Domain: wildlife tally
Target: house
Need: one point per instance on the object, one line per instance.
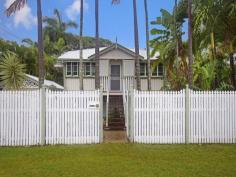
(117, 69)
(117, 74)
(32, 82)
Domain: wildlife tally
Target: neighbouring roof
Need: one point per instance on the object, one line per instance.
(32, 82)
(89, 53)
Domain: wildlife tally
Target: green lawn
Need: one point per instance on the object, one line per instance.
(119, 160)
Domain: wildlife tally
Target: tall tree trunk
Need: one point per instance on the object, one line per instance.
(190, 44)
(81, 66)
(232, 66)
(97, 79)
(40, 45)
(213, 49)
(147, 46)
(136, 41)
(177, 39)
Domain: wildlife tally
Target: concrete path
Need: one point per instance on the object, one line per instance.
(115, 136)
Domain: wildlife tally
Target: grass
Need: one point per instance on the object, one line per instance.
(107, 160)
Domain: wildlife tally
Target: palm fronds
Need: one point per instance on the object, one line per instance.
(15, 6)
(12, 72)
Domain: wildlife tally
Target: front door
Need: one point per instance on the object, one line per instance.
(115, 77)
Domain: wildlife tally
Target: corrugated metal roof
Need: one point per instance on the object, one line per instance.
(75, 55)
(47, 83)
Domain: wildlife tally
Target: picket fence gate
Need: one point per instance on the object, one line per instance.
(175, 117)
(50, 117)
(72, 117)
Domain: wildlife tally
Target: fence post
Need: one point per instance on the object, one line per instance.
(131, 115)
(187, 113)
(43, 115)
(101, 116)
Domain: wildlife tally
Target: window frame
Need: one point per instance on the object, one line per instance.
(158, 71)
(77, 66)
(91, 72)
(145, 69)
(67, 64)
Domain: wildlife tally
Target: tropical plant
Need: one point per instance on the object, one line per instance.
(214, 25)
(55, 27)
(17, 5)
(12, 72)
(204, 72)
(167, 33)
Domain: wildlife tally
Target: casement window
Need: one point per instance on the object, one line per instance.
(157, 72)
(72, 69)
(93, 69)
(154, 72)
(89, 69)
(143, 69)
(160, 69)
(75, 68)
(68, 69)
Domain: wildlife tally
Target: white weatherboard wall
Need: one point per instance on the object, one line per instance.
(159, 117)
(19, 118)
(72, 117)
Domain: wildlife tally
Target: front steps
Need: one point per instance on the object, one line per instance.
(116, 120)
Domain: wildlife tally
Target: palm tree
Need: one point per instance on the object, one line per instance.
(176, 35)
(97, 78)
(136, 41)
(56, 27)
(81, 73)
(12, 72)
(167, 34)
(190, 44)
(206, 22)
(147, 46)
(17, 5)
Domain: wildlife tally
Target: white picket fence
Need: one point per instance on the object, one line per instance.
(19, 118)
(71, 117)
(212, 117)
(160, 117)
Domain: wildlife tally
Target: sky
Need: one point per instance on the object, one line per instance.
(115, 20)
